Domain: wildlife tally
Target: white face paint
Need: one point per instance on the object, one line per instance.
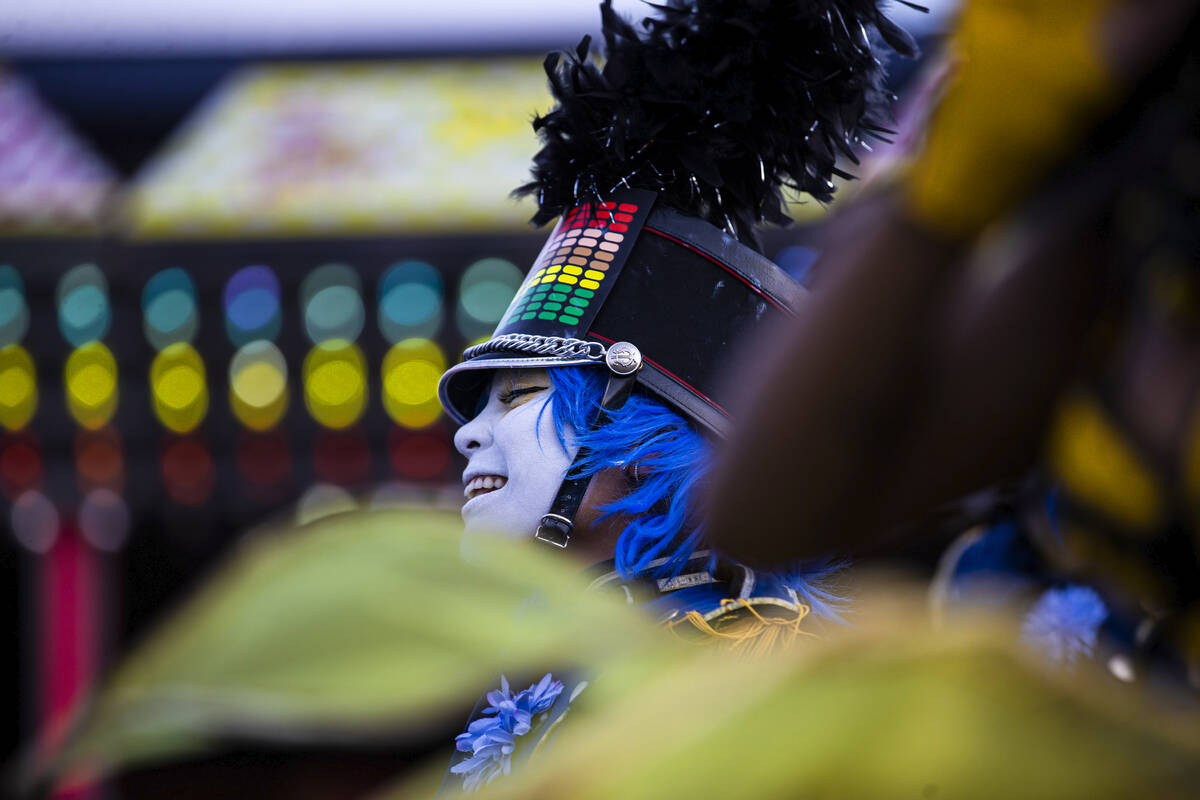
(515, 462)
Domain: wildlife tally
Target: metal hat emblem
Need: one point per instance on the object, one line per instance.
(623, 358)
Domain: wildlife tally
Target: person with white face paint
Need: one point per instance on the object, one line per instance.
(589, 415)
(515, 460)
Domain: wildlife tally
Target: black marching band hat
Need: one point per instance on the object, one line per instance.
(660, 163)
(623, 271)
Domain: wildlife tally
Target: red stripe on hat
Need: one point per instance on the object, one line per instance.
(758, 291)
(672, 375)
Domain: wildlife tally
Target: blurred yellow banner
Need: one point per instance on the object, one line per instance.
(349, 148)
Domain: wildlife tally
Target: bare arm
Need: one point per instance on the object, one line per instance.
(908, 400)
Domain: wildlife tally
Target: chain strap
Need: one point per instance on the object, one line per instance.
(537, 345)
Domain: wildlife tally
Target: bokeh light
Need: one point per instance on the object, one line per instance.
(169, 309)
(187, 471)
(410, 301)
(484, 292)
(258, 385)
(252, 305)
(20, 464)
(405, 493)
(90, 381)
(420, 455)
(99, 461)
(35, 522)
(104, 520)
(18, 387)
(342, 457)
(84, 312)
(14, 310)
(264, 464)
(331, 304)
(335, 383)
(178, 387)
(410, 373)
(323, 500)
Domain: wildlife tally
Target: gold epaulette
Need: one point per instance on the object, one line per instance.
(753, 626)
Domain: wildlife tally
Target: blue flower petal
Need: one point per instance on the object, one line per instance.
(1065, 622)
(491, 739)
(470, 764)
(482, 725)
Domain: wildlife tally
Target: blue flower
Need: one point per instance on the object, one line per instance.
(1064, 622)
(541, 695)
(491, 739)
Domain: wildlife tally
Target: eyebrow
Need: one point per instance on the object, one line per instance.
(527, 378)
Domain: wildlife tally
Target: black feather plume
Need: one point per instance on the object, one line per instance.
(716, 104)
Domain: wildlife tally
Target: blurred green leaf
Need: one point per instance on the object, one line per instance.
(364, 625)
(357, 625)
(879, 713)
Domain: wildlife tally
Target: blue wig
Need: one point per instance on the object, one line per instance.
(675, 459)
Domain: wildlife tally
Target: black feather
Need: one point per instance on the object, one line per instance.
(716, 105)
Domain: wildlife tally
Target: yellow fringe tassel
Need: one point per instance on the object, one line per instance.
(752, 638)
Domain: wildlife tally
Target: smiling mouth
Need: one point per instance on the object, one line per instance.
(482, 484)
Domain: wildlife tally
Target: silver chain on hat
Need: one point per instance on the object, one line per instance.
(554, 346)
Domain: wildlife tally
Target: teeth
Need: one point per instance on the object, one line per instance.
(483, 483)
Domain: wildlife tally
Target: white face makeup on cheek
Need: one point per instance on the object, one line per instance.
(515, 462)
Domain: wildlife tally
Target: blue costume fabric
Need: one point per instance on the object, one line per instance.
(706, 598)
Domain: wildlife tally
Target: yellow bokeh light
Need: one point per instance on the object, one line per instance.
(178, 387)
(18, 387)
(413, 382)
(93, 385)
(260, 384)
(335, 383)
(90, 380)
(258, 388)
(410, 373)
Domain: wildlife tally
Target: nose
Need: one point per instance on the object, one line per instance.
(475, 435)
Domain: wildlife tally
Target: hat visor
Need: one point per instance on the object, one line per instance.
(462, 386)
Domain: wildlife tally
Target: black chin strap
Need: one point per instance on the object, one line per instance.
(623, 361)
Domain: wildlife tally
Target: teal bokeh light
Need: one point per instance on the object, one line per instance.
(84, 311)
(410, 301)
(484, 292)
(331, 304)
(14, 310)
(169, 308)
